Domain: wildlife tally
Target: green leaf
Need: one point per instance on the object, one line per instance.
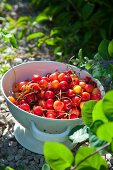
(23, 19)
(80, 54)
(13, 42)
(43, 17)
(6, 168)
(46, 167)
(95, 142)
(8, 6)
(95, 125)
(80, 135)
(87, 10)
(87, 112)
(95, 161)
(110, 48)
(50, 41)
(103, 49)
(104, 132)
(57, 155)
(108, 105)
(78, 127)
(35, 35)
(98, 113)
(54, 31)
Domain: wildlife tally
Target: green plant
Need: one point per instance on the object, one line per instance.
(100, 66)
(98, 120)
(74, 24)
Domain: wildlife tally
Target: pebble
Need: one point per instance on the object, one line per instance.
(111, 160)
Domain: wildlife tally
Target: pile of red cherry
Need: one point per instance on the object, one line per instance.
(59, 95)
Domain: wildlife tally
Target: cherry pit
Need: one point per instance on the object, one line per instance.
(57, 95)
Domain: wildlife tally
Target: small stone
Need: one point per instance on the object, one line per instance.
(18, 157)
(28, 152)
(17, 61)
(11, 164)
(108, 156)
(1, 99)
(10, 158)
(29, 157)
(26, 161)
(111, 160)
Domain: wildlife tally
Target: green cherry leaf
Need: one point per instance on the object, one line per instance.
(95, 161)
(58, 156)
(104, 132)
(98, 113)
(108, 105)
(110, 48)
(87, 112)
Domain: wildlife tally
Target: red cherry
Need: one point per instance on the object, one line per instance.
(49, 104)
(58, 105)
(51, 112)
(82, 84)
(73, 116)
(87, 79)
(49, 94)
(67, 78)
(77, 89)
(63, 85)
(34, 86)
(43, 84)
(95, 97)
(55, 84)
(89, 88)
(25, 107)
(36, 78)
(30, 98)
(37, 110)
(45, 78)
(41, 95)
(54, 76)
(61, 76)
(67, 104)
(51, 116)
(70, 93)
(76, 100)
(85, 96)
(61, 114)
(75, 111)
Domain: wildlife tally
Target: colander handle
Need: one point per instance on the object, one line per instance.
(43, 136)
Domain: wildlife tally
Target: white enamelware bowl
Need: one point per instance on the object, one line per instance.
(32, 131)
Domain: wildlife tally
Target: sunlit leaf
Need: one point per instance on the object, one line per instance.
(57, 155)
(103, 49)
(98, 112)
(108, 105)
(104, 132)
(35, 35)
(95, 161)
(87, 112)
(110, 48)
(42, 17)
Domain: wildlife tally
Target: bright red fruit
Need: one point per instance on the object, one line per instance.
(70, 93)
(49, 103)
(58, 105)
(63, 85)
(25, 107)
(51, 112)
(85, 96)
(42, 103)
(95, 97)
(73, 116)
(43, 84)
(89, 88)
(51, 116)
(49, 94)
(37, 110)
(36, 78)
(54, 76)
(76, 101)
(55, 84)
(67, 104)
(75, 111)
